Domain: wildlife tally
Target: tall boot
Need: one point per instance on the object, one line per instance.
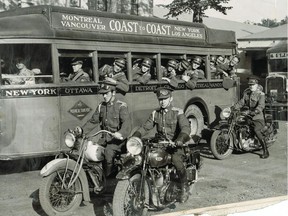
(184, 192)
(265, 150)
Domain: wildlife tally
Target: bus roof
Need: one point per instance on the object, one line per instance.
(53, 22)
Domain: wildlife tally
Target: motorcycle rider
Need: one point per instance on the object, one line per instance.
(254, 99)
(112, 115)
(171, 124)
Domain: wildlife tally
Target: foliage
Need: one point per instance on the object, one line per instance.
(198, 7)
(271, 23)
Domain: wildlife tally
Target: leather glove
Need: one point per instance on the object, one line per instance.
(179, 143)
(118, 135)
(137, 134)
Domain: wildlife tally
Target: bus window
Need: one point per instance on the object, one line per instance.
(143, 67)
(198, 64)
(26, 64)
(75, 66)
(110, 63)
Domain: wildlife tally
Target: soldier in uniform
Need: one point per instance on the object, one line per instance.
(115, 74)
(234, 61)
(171, 124)
(142, 74)
(254, 99)
(78, 75)
(188, 75)
(191, 76)
(169, 73)
(112, 115)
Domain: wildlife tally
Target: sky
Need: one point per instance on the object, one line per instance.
(248, 10)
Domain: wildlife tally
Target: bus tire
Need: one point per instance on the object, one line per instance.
(196, 120)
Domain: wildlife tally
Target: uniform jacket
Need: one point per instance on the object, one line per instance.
(80, 76)
(170, 122)
(173, 80)
(122, 83)
(192, 82)
(112, 116)
(140, 77)
(254, 100)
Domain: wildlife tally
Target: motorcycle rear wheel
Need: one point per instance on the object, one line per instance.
(126, 200)
(219, 148)
(54, 199)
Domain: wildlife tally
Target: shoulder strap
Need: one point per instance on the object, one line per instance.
(81, 73)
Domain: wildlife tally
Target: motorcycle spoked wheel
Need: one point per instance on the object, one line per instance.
(219, 148)
(125, 199)
(54, 199)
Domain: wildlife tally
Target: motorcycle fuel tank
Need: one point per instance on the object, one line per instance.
(158, 158)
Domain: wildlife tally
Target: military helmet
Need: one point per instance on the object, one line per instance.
(172, 63)
(185, 64)
(197, 60)
(147, 62)
(212, 58)
(121, 62)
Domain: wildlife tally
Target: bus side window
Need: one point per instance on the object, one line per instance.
(143, 68)
(198, 64)
(26, 64)
(75, 67)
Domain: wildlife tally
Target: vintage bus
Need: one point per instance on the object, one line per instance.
(276, 85)
(33, 118)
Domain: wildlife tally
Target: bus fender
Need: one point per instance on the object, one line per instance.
(55, 164)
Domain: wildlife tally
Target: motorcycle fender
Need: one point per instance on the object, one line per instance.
(126, 172)
(55, 164)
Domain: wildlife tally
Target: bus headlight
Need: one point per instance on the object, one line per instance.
(226, 112)
(134, 145)
(70, 139)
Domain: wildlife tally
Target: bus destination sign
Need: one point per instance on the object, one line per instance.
(110, 25)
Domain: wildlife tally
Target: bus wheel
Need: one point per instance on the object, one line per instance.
(196, 120)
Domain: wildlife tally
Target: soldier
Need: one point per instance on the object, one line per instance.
(171, 124)
(234, 61)
(169, 73)
(254, 99)
(142, 74)
(115, 74)
(78, 74)
(112, 115)
(188, 75)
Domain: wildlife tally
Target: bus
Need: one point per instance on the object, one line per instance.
(34, 117)
(276, 84)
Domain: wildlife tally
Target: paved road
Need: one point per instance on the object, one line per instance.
(241, 177)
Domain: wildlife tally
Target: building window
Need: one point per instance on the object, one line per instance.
(134, 7)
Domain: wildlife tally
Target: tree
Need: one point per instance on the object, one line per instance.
(271, 23)
(198, 7)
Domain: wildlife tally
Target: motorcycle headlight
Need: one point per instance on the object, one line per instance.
(70, 140)
(226, 112)
(134, 145)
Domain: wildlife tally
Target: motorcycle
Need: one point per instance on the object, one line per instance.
(235, 133)
(148, 179)
(72, 175)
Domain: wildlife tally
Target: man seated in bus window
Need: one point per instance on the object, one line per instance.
(116, 74)
(169, 73)
(226, 68)
(188, 75)
(24, 76)
(78, 75)
(212, 65)
(141, 73)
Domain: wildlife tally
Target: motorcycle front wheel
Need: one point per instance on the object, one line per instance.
(54, 198)
(221, 149)
(126, 199)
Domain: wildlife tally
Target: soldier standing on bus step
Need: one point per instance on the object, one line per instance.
(116, 74)
(254, 99)
(169, 73)
(112, 115)
(190, 77)
(78, 75)
(171, 124)
(142, 74)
